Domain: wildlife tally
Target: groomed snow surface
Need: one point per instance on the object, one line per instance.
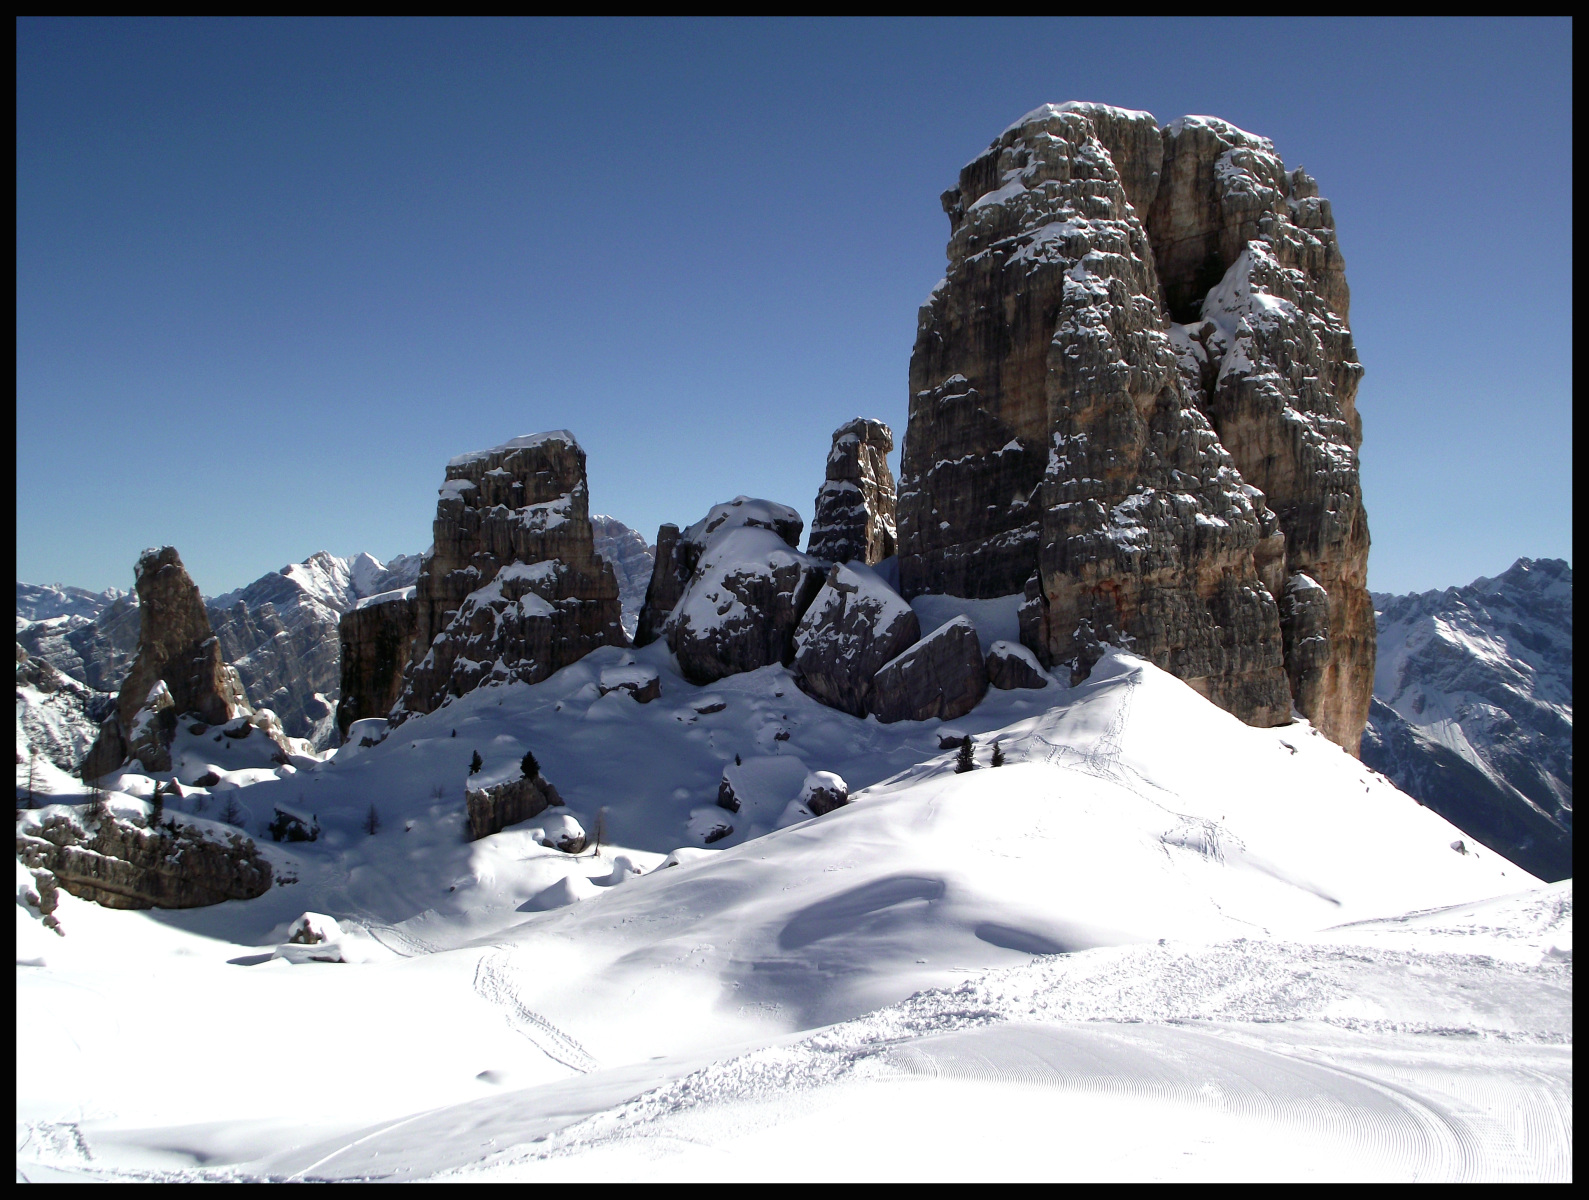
(1157, 944)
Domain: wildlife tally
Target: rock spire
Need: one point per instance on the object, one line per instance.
(855, 505)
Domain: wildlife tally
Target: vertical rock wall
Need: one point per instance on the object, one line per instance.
(377, 638)
(1133, 395)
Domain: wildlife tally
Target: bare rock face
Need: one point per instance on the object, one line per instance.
(179, 671)
(1133, 395)
(942, 676)
(377, 640)
(492, 809)
(746, 593)
(855, 625)
(513, 588)
(1011, 666)
(855, 506)
(119, 864)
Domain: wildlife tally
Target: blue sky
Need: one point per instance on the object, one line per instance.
(271, 275)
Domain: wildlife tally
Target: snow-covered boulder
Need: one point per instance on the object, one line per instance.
(743, 601)
(823, 791)
(855, 625)
(1011, 665)
(496, 807)
(942, 676)
(642, 684)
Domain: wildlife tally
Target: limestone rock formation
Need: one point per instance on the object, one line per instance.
(492, 809)
(1133, 397)
(120, 864)
(513, 588)
(632, 562)
(855, 625)
(746, 593)
(854, 516)
(179, 671)
(1013, 666)
(376, 642)
(942, 676)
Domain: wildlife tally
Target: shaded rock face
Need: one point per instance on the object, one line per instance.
(376, 641)
(493, 809)
(746, 594)
(179, 671)
(513, 589)
(119, 864)
(1133, 395)
(855, 505)
(855, 624)
(632, 562)
(941, 676)
(1011, 666)
(1473, 709)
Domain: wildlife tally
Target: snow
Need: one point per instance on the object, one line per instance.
(995, 619)
(406, 593)
(1152, 918)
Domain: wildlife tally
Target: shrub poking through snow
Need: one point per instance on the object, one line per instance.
(372, 822)
(529, 766)
(476, 763)
(232, 814)
(998, 754)
(963, 760)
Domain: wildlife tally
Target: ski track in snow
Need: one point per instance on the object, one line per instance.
(493, 982)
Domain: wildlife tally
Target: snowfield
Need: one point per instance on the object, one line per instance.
(1157, 943)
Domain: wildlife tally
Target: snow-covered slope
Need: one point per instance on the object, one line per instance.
(661, 1001)
(1473, 708)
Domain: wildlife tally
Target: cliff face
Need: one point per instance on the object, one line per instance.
(1132, 396)
(513, 588)
(377, 639)
(855, 517)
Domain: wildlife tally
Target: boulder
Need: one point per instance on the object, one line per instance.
(494, 808)
(746, 594)
(641, 684)
(118, 864)
(1014, 666)
(513, 589)
(854, 516)
(942, 676)
(1135, 388)
(855, 624)
(822, 792)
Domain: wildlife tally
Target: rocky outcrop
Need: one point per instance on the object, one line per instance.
(1472, 709)
(855, 625)
(632, 562)
(822, 792)
(513, 589)
(747, 591)
(640, 684)
(1011, 666)
(119, 864)
(854, 516)
(179, 671)
(376, 642)
(492, 809)
(1133, 397)
(941, 676)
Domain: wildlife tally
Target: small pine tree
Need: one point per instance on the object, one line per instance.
(372, 822)
(737, 763)
(99, 802)
(454, 733)
(232, 814)
(157, 809)
(600, 829)
(33, 766)
(963, 760)
(998, 755)
(476, 763)
(529, 766)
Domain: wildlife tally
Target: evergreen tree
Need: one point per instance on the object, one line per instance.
(963, 760)
(529, 766)
(476, 763)
(232, 814)
(372, 822)
(157, 809)
(998, 755)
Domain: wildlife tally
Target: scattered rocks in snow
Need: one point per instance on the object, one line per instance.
(1011, 666)
(942, 676)
(854, 517)
(855, 624)
(823, 791)
(118, 864)
(513, 588)
(494, 808)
